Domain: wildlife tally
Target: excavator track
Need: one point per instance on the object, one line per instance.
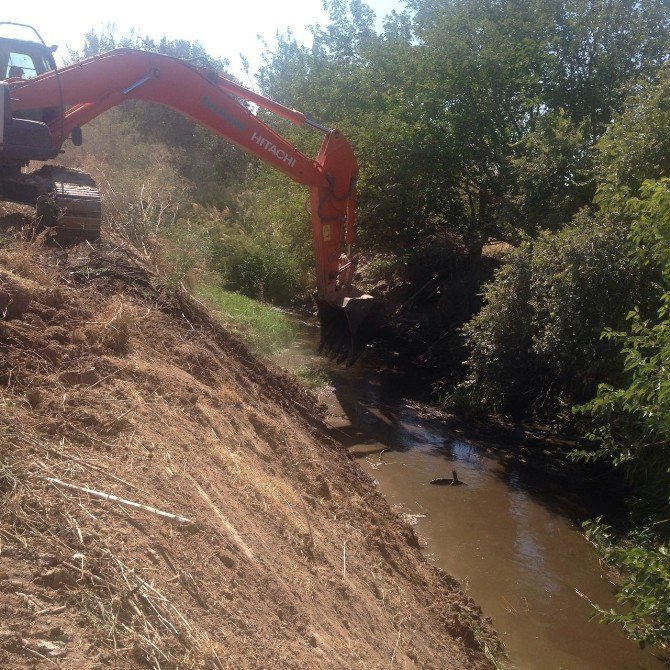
(71, 205)
(65, 199)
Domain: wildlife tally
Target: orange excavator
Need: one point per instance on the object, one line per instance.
(42, 106)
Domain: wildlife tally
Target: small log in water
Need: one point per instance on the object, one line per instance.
(448, 481)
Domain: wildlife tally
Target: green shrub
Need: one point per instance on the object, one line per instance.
(499, 337)
(259, 268)
(633, 418)
(631, 429)
(645, 590)
(636, 146)
(536, 343)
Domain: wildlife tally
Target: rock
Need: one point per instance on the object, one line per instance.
(323, 490)
(33, 396)
(49, 648)
(53, 577)
(49, 559)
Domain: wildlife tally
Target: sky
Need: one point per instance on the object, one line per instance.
(225, 28)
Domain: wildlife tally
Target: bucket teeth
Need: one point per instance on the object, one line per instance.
(346, 329)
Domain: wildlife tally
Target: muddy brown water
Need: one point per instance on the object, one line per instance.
(515, 552)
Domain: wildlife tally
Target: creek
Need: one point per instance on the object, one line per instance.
(513, 543)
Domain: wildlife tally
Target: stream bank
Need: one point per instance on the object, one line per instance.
(247, 538)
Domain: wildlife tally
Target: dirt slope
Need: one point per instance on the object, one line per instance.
(293, 559)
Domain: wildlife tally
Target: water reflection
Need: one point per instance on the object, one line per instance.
(465, 453)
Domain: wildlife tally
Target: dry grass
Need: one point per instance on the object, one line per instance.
(116, 331)
(124, 608)
(25, 259)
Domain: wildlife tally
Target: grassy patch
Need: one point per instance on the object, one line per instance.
(312, 376)
(263, 329)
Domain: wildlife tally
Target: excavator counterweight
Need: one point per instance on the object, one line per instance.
(41, 106)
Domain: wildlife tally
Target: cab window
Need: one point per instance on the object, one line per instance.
(20, 65)
(25, 66)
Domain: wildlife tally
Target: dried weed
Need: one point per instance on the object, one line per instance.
(115, 330)
(126, 611)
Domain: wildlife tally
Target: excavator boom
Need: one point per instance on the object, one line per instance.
(70, 97)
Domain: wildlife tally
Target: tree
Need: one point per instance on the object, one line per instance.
(206, 160)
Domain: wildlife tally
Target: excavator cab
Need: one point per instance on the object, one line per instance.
(21, 139)
(23, 59)
(25, 135)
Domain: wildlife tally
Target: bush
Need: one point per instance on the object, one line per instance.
(143, 192)
(633, 419)
(645, 591)
(631, 429)
(636, 146)
(259, 268)
(536, 343)
(499, 338)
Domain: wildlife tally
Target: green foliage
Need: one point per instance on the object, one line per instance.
(582, 279)
(468, 116)
(405, 180)
(265, 329)
(551, 173)
(257, 267)
(536, 341)
(599, 50)
(499, 337)
(645, 590)
(634, 417)
(631, 429)
(637, 146)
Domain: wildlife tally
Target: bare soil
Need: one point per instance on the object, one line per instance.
(110, 381)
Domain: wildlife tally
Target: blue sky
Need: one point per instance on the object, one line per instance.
(225, 28)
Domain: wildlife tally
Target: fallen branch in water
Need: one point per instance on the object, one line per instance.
(101, 495)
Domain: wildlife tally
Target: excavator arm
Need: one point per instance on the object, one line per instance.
(86, 89)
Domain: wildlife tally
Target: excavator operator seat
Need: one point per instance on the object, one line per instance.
(22, 139)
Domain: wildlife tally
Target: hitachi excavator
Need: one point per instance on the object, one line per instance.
(41, 106)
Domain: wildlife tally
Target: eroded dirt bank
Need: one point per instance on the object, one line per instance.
(293, 560)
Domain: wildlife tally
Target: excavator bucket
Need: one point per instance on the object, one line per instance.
(347, 328)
